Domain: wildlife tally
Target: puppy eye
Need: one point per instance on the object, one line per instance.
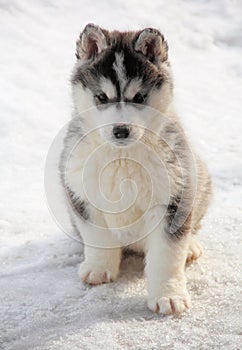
(102, 98)
(139, 98)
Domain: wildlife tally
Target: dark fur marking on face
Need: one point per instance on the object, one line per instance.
(135, 66)
(178, 219)
(78, 205)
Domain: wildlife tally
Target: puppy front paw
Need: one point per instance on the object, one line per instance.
(94, 275)
(168, 305)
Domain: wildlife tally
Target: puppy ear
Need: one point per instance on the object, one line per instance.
(151, 43)
(92, 41)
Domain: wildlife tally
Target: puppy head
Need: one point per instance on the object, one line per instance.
(121, 75)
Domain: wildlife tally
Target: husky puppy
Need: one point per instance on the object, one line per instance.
(130, 177)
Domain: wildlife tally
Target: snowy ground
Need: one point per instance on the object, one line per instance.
(43, 304)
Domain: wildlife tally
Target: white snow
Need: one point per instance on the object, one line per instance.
(43, 305)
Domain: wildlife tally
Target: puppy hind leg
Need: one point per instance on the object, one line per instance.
(195, 250)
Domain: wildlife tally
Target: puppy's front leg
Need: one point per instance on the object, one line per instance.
(102, 255)
(165, 263)
(100, 265)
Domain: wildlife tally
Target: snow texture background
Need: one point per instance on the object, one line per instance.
(43, 305)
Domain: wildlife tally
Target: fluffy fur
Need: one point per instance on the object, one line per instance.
(142, 188)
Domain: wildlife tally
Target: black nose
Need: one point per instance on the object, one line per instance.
(121, 131)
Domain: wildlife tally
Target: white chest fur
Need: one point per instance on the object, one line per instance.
(122, 183)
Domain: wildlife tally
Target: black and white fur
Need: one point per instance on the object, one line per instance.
(130, 177)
